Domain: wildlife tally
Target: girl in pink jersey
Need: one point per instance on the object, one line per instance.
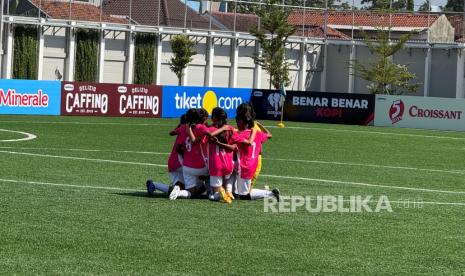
(249, 147)
(220, 157)
(194, 158)
(175, 158)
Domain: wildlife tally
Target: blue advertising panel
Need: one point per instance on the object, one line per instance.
(30, 97)
(178, 99)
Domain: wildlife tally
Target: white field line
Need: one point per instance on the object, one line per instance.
(83, 158)
(366, 165)
(69, 185)
(360, 184)
(372, 132)
(28, 137)
(88, 150)
(426, 202)
(86, 123)
(261, 175)
(416, 202)
(288, 127)
(87, 187)
(273, 159)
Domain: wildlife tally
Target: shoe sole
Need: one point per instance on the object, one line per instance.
(174, 193)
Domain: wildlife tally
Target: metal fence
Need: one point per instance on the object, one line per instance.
(318, 19)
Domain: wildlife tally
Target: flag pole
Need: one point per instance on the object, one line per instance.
(281, 124)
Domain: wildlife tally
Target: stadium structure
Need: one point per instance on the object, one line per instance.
(319, 52)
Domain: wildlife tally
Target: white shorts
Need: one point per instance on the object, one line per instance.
(177, 176)
(243, 186)
(191, 176)
(218, 181)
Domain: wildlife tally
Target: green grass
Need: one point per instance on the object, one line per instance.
(86, 226)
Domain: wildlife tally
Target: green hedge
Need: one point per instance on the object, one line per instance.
(144, 62)
(86, 68)
(25, 55)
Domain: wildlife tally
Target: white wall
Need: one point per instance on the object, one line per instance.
(364, 55)
(314, 68)
(415, 61)
(54, 52)
(115, 56)
(222, 63)
(196, 69)
(337, 68)
(443, 73)
(167, 77)
(245, 64)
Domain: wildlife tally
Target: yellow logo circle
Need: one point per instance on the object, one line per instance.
(209, 101)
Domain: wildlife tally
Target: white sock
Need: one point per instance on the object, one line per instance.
(184, 194)
(229, 188)
(162, 187)
(258, 193)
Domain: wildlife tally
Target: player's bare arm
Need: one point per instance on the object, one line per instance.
(191, 135)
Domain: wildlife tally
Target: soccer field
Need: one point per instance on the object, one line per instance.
(73, 201)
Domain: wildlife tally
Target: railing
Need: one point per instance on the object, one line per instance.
(314, 19)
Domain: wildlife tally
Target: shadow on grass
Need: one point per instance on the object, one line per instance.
(157, 195)
(141, 194)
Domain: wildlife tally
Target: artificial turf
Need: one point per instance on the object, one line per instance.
(73, 201)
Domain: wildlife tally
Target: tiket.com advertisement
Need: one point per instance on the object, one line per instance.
(420, 112)
(30, 97)
(117, 100)
(178, 99)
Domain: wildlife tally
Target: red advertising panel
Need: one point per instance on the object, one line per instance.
(109, 99)
(137, 101)
(87, 99)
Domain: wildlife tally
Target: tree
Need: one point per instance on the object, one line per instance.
(25, 52)
(86, 64)
(426, 6)
(384, 75)
(273, 60)
(346, 6)
(410, 5)
(183, 50)
(144, 60)
(13, 4)
(454, 5)
(377, 4)
(386, 5)
(251, 7)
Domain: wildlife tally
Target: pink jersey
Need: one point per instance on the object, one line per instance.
(173, 161)
(195, 153)
(220, 160)
(248, 155)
